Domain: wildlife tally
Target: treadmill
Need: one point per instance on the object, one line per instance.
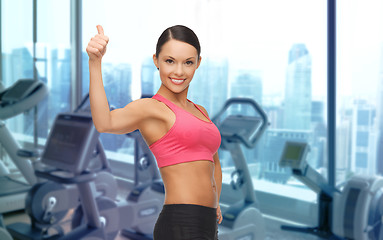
(23, 95)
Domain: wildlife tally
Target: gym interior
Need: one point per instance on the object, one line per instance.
(294, 86)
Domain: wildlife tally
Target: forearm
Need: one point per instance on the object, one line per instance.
(218, 177)
(98, 101)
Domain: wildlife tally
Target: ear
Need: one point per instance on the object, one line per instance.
(155, 61)
(199, 61)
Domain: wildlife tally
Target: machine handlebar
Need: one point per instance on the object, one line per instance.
(248, 139)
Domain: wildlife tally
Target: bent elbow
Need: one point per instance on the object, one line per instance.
(100, 128)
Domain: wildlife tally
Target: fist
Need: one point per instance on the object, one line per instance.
(97, 45)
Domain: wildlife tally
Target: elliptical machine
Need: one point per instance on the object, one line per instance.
(241, 220)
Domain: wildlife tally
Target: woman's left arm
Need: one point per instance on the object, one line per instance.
(217, 176)
(218, 182)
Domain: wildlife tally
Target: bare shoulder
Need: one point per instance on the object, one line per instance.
(203, 109)
(130, 117)
(144, 104)
(149, 108)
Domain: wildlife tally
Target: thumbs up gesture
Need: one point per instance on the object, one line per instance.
(97, 45)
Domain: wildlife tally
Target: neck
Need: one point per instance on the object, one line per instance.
(177, 98)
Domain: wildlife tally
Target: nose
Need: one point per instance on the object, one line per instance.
(178, 71)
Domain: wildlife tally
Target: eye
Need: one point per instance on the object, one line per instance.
(169, 61)
(189, 63)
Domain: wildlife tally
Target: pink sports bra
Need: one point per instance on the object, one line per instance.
(189, 139)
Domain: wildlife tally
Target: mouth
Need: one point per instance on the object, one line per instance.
(177, 81)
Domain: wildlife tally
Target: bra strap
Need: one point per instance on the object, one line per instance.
(200, 110)
(165, 101)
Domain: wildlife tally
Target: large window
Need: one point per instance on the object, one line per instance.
(16, 51)
(16, 61)
(359, 88)
(46, 59)
(51, 53)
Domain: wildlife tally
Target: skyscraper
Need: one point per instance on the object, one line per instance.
(148, 70)
(343, 147)
(379, 157)
(297, 107)
(248, 83)
(209, 87)
(364, 139)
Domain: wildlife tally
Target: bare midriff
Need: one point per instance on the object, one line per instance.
(190, 183)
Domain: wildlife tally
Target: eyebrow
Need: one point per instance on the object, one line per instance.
(175, 59)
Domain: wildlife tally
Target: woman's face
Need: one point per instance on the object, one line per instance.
(177, 63)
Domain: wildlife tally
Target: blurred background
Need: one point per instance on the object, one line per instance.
(274, 52)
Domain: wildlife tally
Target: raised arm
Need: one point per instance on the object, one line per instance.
(118, 121)
(98, 102)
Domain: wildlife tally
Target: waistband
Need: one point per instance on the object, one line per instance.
(186, 207)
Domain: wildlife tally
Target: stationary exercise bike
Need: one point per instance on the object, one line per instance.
(241, 220)
(71, 145)
(48, 202)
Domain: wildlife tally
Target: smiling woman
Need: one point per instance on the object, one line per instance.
(190, 167)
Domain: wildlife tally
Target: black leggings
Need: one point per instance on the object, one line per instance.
(186, 222)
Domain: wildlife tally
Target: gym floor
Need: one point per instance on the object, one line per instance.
(272, 228)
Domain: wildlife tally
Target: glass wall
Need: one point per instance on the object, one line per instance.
(16, 63)
(48, 57)
(52, 54)
(16, 52)
(359, 88)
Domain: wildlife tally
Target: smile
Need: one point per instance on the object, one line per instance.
(177, 81)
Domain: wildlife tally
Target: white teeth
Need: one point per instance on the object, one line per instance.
(177, 81)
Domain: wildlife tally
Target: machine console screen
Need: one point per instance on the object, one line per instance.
(67, 141)
(293, 155)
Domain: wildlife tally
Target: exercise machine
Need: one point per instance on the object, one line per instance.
(358, 210)
(354, 213)
(48, 202)
(72, 143)
(294, 156)
(4, 235)
(241, 220)
(23, 95)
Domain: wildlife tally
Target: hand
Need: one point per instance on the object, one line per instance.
(219, 215)
(97, 45)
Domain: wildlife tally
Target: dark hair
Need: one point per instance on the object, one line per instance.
(180, 33)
